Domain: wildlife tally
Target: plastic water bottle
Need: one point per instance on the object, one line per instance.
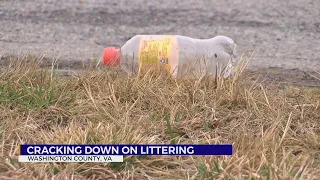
(177, 54)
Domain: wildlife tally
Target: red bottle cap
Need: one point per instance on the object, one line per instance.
(111, 56)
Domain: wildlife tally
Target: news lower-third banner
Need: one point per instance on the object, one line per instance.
(125, 149)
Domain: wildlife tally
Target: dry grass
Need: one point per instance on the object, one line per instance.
(275, 134)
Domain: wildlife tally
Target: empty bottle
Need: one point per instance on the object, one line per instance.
(177, 54)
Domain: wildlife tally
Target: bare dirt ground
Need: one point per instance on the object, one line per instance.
(284, 34)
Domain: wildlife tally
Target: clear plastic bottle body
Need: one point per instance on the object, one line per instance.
(188, 55)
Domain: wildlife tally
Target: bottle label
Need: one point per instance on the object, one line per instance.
(158, 50)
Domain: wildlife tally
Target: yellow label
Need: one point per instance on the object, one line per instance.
(155, 50)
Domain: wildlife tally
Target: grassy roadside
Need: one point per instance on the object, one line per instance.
(275, 133)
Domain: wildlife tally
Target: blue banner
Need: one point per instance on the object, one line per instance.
(125, 149)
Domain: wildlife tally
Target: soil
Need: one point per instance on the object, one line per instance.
(285, 35)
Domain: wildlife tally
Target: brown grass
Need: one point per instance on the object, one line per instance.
(275, 134)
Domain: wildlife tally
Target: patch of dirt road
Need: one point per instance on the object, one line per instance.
(285, 35)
